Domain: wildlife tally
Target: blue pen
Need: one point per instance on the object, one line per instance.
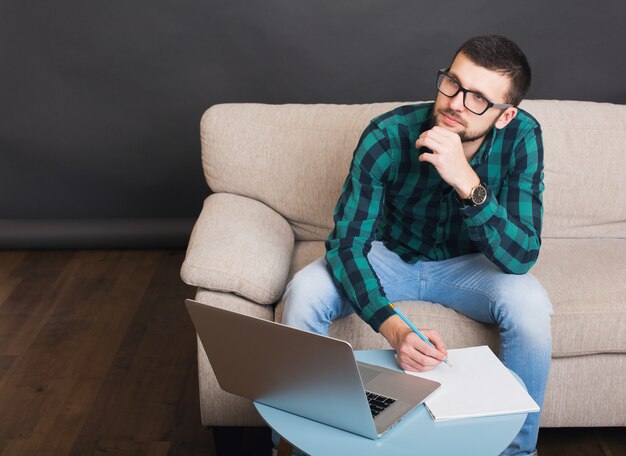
(415, 330)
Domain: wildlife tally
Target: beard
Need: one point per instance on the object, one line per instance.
(465, 134)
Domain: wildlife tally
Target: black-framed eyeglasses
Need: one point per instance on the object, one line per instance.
(473, 101)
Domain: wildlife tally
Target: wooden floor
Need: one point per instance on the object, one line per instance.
(98, 356)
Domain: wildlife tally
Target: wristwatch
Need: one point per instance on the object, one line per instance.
(478, 196)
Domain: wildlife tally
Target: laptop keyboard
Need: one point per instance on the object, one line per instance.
(378, 403)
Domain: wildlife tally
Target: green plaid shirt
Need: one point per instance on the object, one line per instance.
(391, 196)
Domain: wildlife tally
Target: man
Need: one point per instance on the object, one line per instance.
(443, 203)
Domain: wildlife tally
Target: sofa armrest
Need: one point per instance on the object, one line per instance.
(239, 245)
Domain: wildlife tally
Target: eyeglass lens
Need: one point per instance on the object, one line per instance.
(471, 100)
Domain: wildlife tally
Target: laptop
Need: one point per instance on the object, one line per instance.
(307, 374)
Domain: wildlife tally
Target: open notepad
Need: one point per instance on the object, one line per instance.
(477, 384)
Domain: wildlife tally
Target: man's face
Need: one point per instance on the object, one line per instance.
(451, 114)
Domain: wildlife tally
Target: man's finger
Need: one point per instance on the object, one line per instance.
(445, 132)
(432, 351)
(441, 136)
(427, 157)
(426, 349)
(423, 362)
(409, 364)
(428, 142)
(436, 339)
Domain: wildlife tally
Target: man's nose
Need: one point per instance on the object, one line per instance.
(456, 102)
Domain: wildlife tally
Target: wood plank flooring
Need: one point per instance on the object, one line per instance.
(98, 356)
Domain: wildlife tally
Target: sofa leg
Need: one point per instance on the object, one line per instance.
(284, 448)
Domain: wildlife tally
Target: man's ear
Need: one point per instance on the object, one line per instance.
(507, 116)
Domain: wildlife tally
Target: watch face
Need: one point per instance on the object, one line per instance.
(479, 195)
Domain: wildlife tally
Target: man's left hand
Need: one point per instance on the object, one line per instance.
(449, 159)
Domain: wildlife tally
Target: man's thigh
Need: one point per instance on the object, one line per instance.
(469, 284)
(312, 295)
(477, 288)
(401, 281)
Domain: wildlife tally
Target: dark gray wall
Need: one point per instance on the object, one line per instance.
(101, 100)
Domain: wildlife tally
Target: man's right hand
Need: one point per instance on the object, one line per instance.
(413, 353)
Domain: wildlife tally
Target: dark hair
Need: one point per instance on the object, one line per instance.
(500, 54)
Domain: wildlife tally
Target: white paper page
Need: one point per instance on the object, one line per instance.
(477, 384)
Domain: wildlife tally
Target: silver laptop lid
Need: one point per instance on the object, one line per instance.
(293, 370)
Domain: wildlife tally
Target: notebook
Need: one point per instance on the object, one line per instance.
(476, 385)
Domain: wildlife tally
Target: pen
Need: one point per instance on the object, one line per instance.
(415, 330)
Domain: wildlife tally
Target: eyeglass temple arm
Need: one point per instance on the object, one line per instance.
(503, 105)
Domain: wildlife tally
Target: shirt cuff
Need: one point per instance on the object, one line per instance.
(378, 311)
(478, 215)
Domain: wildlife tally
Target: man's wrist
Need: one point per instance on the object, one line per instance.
(464, 189)
(393, 329)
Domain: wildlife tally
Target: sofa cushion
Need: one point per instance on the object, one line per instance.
(584, 163)
(584, 279)
(240, 246)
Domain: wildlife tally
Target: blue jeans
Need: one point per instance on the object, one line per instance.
(469, 284)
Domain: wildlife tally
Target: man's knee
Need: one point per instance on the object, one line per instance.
(523, 304)
(309, 297)
(310, 282)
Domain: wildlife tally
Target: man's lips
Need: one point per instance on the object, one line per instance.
(451, 121)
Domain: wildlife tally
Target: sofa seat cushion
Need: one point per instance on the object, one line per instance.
(585, 279)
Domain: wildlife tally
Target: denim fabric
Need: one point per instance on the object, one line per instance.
(469, 284)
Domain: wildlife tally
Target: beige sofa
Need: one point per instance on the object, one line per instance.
(276, 173)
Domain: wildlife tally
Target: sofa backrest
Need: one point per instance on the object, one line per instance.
(294, 158)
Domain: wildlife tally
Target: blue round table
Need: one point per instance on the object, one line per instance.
(416, 434)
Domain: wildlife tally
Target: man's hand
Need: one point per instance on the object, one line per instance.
(448, 157)
(413, 353)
